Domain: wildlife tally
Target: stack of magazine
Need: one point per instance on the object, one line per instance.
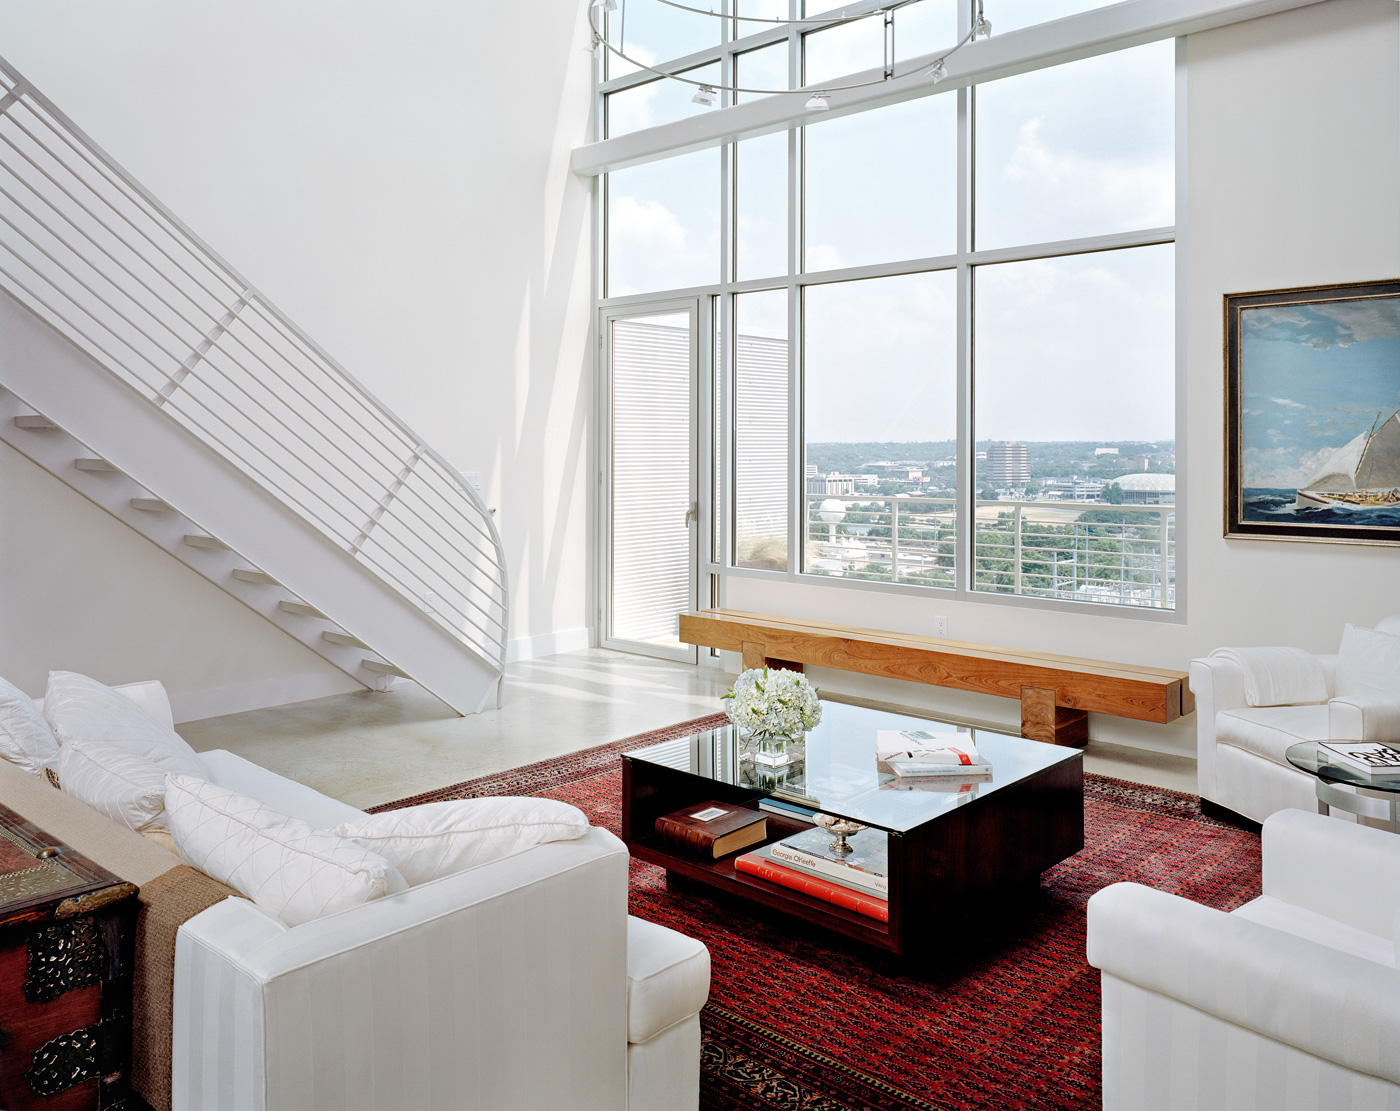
(805, 862)
(1374, 759)
(917, 752)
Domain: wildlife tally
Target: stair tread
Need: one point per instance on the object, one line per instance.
(379, 667)
(301, 609)
(249, 575)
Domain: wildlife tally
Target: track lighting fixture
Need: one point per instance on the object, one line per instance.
(706, 96)
(818, 103)
(939, 71)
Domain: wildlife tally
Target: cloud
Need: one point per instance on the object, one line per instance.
(653, 248)
(1287, 402)
(1362, 321)
(1257, 319)
(1281, 468)
(1127, 191)
(1321, 326)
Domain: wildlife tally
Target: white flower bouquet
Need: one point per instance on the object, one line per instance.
(773, 703)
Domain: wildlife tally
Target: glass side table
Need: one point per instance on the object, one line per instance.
(1341, 786)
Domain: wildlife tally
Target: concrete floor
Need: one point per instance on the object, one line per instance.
(373, 747)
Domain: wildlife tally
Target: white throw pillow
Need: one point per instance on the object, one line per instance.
(82, 709)
(25, 737)
(283, 864)
(439, 838)
(1368, 662)
(125, 787)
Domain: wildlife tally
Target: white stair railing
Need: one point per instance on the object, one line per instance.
(89, 250)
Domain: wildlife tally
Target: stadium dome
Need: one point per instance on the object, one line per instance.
(1147, 483)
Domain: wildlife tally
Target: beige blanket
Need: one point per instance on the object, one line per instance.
(166, 902)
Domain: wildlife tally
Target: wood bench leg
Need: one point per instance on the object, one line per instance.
(756, 655)
(1042, 720)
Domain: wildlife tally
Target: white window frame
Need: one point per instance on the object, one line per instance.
(1119, 26)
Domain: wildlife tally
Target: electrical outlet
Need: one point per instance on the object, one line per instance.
(474, 479)
(940, 628)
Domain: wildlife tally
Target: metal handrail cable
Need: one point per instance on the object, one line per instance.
(412, 525)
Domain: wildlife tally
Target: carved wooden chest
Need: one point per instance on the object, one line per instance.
(66, 930)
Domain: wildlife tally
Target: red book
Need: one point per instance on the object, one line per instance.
(814, 886)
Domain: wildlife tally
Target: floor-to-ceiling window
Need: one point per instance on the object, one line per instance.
(944, 325)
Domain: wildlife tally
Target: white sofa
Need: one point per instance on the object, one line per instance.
(517, 985)
(1290, 1002)
(1240, 762)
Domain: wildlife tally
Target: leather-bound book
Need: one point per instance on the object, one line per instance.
(712, 829)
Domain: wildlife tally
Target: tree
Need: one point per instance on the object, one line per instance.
(1113, 494)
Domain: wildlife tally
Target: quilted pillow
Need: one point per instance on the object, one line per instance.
(1368, 662)
(439, 838)
(127, 788)
(294, 870)
(25, 737)
(79, 708)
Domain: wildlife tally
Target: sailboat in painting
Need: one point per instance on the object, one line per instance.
(1361, 474)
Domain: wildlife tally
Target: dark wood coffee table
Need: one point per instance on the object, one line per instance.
(955, 858)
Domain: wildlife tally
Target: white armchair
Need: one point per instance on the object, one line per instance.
(1240, 763)
(1291, 1001)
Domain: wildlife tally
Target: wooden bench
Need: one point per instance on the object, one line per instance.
(1056, 693)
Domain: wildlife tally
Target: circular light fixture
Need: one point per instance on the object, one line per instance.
(707, 93)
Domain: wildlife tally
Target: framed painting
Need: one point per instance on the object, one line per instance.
(1312, 414)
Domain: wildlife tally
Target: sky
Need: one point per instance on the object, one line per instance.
(1081, 149)
(1313, 378)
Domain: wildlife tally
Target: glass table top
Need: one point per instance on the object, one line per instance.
(1307, 757)
(835, 769)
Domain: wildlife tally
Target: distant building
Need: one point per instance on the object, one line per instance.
(1105, 451)
(1072, 489)
(1008, 464)
(856, 479)
(898, 472)
(810, 470)
(831, 484)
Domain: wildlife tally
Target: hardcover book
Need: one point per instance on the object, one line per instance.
(923, 747)
(819, 887)
(787, 809)
(867, 866)
(971, 773)
(1373, 758)
(712, 829)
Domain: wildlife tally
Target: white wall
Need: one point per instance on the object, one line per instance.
(83, 592)
(395, 178)
(1292, 177)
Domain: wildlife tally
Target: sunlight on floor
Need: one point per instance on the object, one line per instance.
(373, 747)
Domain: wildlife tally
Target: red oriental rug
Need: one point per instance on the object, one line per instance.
(799, 1020)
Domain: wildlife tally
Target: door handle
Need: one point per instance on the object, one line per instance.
(693, 513)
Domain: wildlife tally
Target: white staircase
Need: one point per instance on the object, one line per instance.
(140, 369)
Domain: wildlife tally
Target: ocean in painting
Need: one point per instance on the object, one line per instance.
(1275, 507)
